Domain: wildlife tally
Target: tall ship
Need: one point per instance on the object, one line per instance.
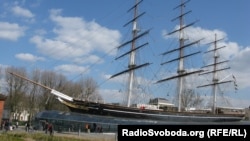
(156, 111)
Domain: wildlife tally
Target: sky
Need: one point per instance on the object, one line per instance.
(80, 38)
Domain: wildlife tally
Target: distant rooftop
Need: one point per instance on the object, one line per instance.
(161, 102)
(2, 97)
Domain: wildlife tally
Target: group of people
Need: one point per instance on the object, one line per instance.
(7, 125)
(95, 128)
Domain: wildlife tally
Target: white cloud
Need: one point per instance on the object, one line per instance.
(197, 33)
(19, 11)
(112, 96)
(57, 49)
(231, 49)
(227, 101)
(241, 68)
(11, 31)
(71, 69)
(93, 59)
(76, 38)
(122, 79)
(238, 55)
(40, 31)
(29, 57)
(118, 79)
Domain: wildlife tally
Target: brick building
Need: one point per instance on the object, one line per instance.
(2, 100)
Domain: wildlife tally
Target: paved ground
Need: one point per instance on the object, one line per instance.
(83, 135)
(91, 136)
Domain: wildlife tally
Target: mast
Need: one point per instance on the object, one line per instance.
(132, 66)
(215, 80)
(215, 75)
(132, 56)
(181, 72)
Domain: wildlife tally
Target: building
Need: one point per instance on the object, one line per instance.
(23, 116)
(5, 113)
(161, 102)
(2, 100)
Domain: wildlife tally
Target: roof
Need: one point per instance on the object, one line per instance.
(2, 97)
(161, 101)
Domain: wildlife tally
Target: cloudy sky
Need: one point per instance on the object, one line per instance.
(79, 38)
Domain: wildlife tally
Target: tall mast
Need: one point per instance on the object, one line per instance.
(132, 56)
(215, 80)
(132, 66)
(181, 72)
(215, 76)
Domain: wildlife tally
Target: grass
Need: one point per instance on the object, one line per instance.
(35, 137)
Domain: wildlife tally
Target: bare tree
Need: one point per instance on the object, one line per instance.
(190, 99)
(23, 95)
(72, 89)
(33, 93)
(48, 78)
(1, 77)
(54, 81)
(15, 90)
(88, 89)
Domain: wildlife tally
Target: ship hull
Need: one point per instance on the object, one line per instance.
(157, 116)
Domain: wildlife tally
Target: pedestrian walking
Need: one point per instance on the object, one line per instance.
(28, 126)
(50, 129)
(46, 127)
(16, 124)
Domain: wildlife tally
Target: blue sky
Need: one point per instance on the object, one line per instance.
(78, 38)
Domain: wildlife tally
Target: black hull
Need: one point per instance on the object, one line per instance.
(155, 116)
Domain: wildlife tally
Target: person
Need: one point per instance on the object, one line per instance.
(50, 128)
(16, 124)
(2, 124)
(87, 127)
(6, 126)
(46, 127)
(94, 127)
(100, 130)
(27, 126)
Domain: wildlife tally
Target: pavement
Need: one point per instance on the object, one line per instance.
(82, 135)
